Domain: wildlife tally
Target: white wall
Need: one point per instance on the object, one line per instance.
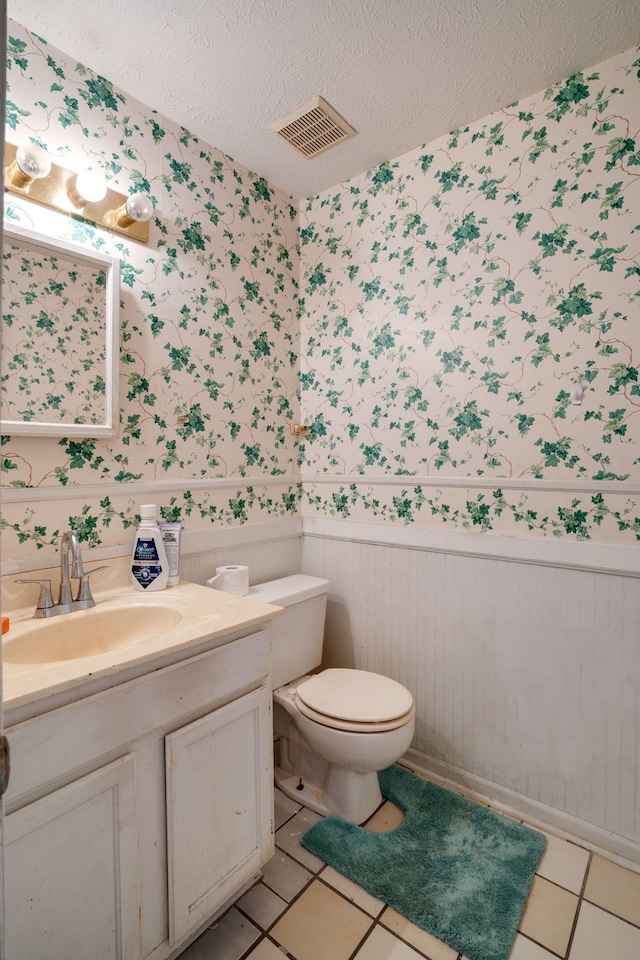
(269, 550)
(526, 676)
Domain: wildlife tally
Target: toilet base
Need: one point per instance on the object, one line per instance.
(331, 787)
(344, 793)
(310, 796)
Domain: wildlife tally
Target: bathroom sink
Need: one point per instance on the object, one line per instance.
(128, 633)
(89, 633)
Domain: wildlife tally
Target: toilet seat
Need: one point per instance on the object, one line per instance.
(354, 727)
(355, 700)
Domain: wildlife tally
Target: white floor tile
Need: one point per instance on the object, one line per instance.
(564, 863)
(262, 905)
(321, 925)
(614, 888)
(266, 951)
(352, 891)
(387, 818)
(284, 876)
(524, 949)
(382, 945)
(600, 936)
(424, 942)
(549, 915)
(283, 808)
(229, 939)
(288, 838)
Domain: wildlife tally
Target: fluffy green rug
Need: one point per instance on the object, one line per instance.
(453, 867)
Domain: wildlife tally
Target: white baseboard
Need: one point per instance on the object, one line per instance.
(540, 815)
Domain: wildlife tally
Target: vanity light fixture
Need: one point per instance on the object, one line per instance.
(32, 162)
(30, 173)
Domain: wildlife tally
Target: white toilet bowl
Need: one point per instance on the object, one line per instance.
(335, 729)
(331, 766)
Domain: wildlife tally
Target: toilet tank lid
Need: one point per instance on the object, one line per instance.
(289, 590)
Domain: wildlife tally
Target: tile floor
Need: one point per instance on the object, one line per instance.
(581, 907)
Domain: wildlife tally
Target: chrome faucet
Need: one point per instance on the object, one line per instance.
(69, 544)
(69, 549)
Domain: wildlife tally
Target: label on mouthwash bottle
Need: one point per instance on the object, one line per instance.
(146, 564)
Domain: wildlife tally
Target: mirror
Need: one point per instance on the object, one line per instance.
(60, 338)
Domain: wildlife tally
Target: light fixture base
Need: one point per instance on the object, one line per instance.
(55, 191)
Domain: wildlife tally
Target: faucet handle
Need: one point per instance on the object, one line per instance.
(45, 600)
(84, 590)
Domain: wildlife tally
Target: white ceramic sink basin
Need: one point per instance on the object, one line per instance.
(89, 633)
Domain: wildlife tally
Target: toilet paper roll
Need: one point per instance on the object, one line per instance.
(231, 579)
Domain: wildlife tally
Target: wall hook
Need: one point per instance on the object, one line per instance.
(576, 393)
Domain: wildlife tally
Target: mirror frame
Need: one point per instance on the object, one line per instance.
(111, 265)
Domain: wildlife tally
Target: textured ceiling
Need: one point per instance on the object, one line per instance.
(402, 72)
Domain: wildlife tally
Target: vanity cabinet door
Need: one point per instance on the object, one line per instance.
(71, 871)
(219, 808)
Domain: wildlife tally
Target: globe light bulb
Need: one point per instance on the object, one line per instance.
(90, 187)
(32, 162)
(139, 207)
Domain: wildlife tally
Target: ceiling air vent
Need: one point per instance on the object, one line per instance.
(313, 127)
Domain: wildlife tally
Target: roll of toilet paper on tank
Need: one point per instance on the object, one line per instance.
(231, 579)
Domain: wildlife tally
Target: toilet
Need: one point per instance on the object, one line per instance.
(336, 728)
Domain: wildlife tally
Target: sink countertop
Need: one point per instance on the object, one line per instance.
(210, 615)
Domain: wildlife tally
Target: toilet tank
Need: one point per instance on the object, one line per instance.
(297, 635)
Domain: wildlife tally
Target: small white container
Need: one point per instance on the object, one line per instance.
(171, 534)
(149, 564)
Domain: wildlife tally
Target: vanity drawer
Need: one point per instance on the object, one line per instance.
(50, 747)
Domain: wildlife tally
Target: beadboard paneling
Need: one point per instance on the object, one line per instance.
(267, 559)
(525, 676)
(270, 550)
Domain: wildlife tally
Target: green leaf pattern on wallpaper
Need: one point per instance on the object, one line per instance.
(448, 301)
(53, 340)
(453, 297)
(209, 327)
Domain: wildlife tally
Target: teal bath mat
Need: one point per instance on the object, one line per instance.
(456, 869)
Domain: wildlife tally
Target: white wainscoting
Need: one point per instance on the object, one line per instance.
(526, 673)
(270, 550)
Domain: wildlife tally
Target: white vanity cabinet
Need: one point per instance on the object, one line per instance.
(135, 814)
(230, 818)
(72, 870)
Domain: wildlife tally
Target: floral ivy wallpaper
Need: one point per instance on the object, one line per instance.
(209, 341)
(451, 301)
(53, 337)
